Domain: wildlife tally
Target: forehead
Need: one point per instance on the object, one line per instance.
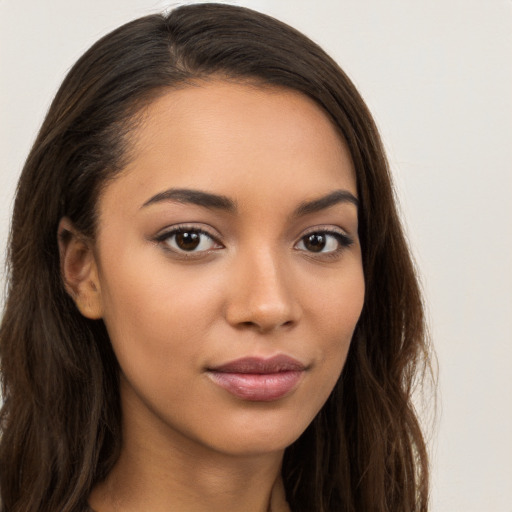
(236, 139)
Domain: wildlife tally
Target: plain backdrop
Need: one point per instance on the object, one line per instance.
(438, 77)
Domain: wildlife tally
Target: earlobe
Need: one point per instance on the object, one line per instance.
(79, 270)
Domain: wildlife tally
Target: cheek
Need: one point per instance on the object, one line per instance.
(156, 315)
(334, 314)
(142, 288)
(338, 305)
(343, 315)
(158, 336)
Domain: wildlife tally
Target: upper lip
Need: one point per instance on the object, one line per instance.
(259, 365)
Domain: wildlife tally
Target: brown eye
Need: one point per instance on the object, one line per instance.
(315, 242)
(323, 242)
(188, 240)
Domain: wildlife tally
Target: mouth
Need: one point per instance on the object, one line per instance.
(257, 379)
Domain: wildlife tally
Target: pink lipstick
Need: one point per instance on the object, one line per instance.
(258, 380)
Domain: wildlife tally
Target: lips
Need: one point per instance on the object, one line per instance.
(259, 380)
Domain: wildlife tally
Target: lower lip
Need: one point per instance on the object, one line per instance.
(256, 387)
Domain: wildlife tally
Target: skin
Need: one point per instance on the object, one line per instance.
(253, 289)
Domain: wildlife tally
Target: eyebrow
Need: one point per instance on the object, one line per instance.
(219, 202)
(197, 197)
(322, 203)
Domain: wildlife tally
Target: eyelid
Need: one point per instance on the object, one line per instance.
(343, 238)
(192, 226)
(175, 229)
(328, 229)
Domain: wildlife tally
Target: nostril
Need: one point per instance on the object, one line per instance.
(264, 327)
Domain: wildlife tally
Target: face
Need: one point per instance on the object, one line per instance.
(228, 266)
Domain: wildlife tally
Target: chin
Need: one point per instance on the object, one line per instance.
(262, 436)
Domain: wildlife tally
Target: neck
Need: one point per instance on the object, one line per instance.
(163, 471)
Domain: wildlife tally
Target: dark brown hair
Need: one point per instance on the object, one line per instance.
(60, 420)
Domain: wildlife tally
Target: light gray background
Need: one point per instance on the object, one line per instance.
(438, 78)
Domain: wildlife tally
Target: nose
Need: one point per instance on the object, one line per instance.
(261, 295)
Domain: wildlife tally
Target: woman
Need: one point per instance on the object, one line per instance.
(211, 303)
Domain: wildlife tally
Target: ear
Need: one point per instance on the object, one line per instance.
(79, 270)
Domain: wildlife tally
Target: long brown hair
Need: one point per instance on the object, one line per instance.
(60, 419)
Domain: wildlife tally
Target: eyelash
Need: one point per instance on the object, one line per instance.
(164, 237)
(344, 241)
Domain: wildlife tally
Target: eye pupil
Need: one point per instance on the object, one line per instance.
(188, 241)
(315, 242)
